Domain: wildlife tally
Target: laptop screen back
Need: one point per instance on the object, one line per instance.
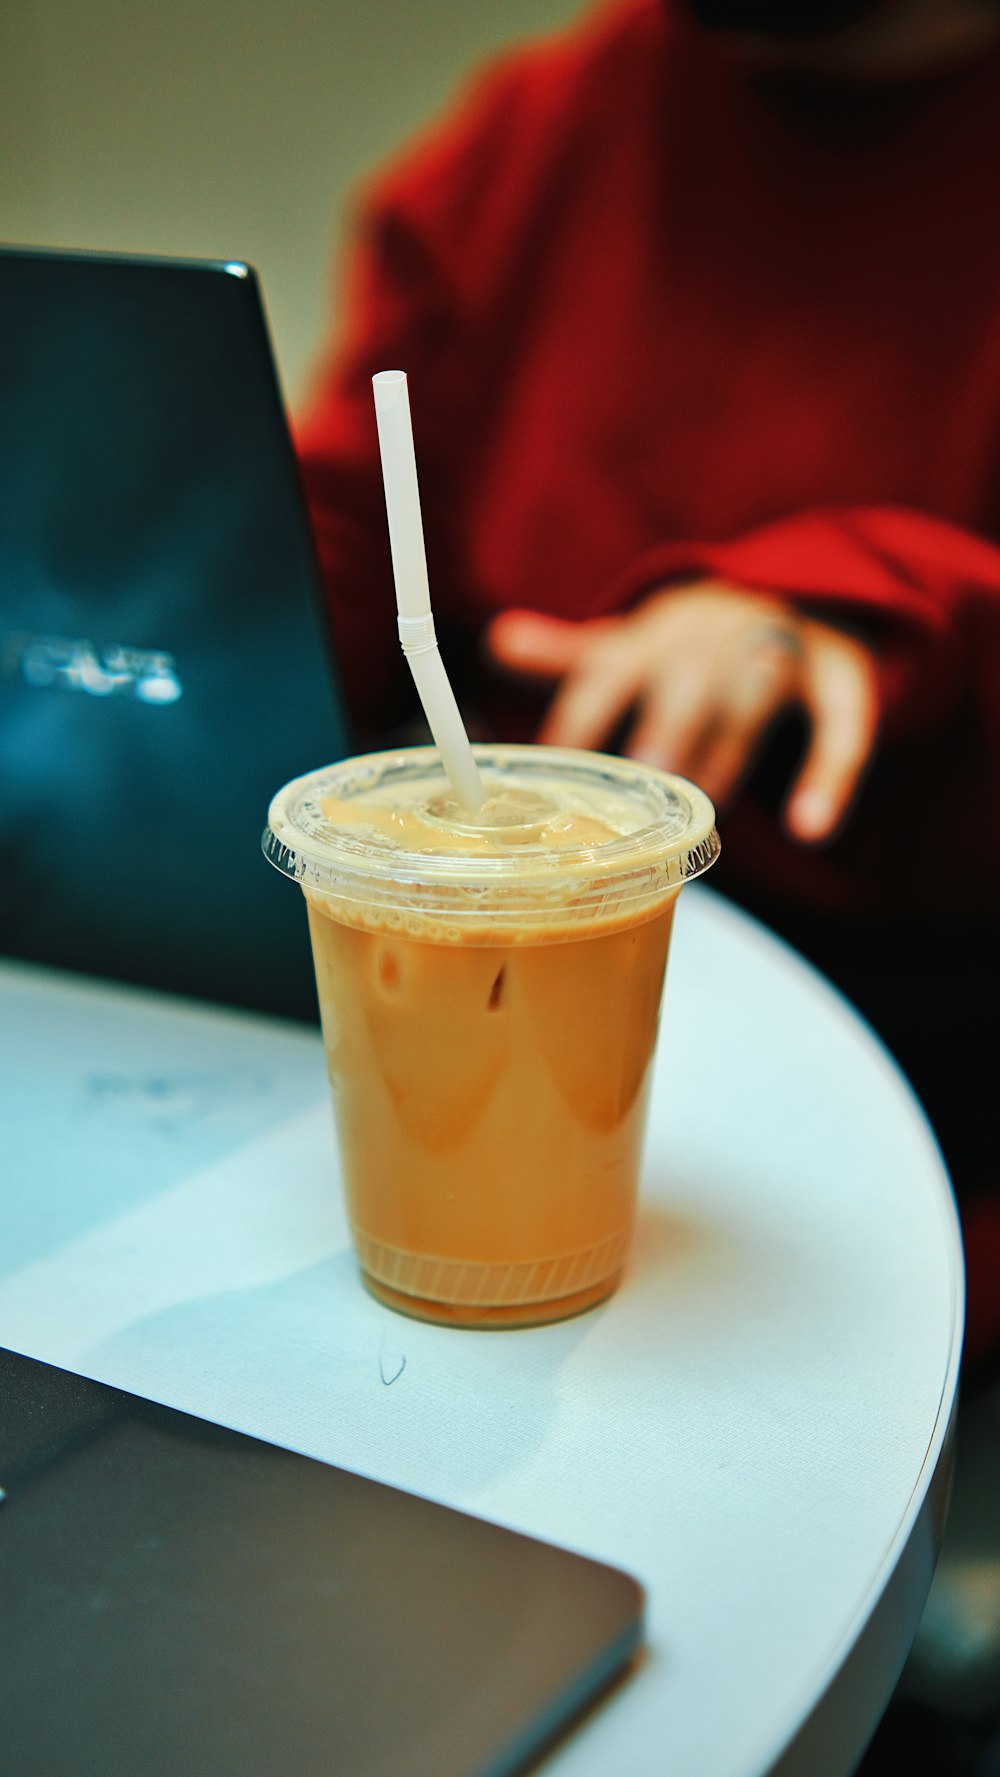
(163, 658)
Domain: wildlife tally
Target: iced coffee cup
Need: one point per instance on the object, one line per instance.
(489, 988)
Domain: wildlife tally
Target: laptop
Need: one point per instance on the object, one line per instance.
(176, 1598)
(164, 662)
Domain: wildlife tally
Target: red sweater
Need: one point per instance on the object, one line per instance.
(661, 321)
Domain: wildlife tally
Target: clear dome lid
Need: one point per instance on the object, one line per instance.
(561, 833)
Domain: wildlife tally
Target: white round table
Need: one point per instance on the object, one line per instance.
(756, 1425)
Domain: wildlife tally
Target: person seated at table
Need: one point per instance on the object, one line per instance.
(699, 302)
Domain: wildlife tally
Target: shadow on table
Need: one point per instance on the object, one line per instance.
(312, 1361)
(665, 1240)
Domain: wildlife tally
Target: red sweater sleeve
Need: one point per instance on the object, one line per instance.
(926, 591)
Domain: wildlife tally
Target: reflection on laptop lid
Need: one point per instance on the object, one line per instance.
(182, 1599)
(164, 665)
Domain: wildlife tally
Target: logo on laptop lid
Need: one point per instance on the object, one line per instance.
(59, 662)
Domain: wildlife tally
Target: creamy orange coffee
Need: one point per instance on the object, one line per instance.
(489, 989)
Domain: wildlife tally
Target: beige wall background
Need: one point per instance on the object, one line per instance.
(226, 129)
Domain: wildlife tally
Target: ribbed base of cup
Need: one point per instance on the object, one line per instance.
(473, 1294)
(483, 1319)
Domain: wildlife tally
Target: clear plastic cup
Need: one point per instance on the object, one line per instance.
(489, 990)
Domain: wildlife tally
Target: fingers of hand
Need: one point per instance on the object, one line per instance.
(670, 727)
(592, 699)
(541, 647)
(708, 719)
(840, 694)
(748, 705)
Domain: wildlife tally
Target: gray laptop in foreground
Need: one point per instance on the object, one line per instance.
(163, 658)
(178, 1600)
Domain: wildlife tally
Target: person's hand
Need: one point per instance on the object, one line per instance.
(704, 671)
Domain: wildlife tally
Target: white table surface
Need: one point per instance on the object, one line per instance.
(755, 1425)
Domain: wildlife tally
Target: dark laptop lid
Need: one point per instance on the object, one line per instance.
(163, 657)
(177, 1599)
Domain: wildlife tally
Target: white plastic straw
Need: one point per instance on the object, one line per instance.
(413, 598)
